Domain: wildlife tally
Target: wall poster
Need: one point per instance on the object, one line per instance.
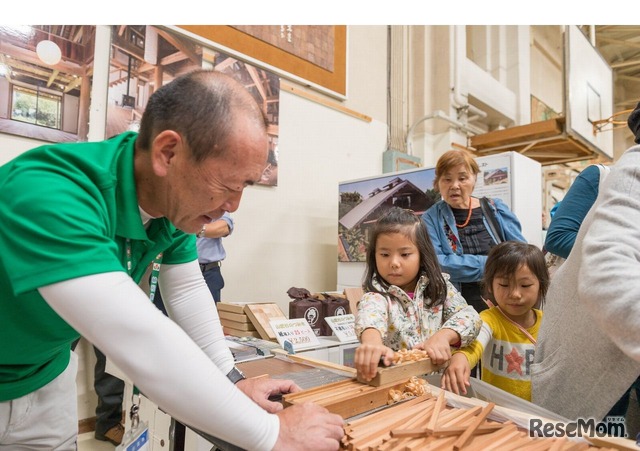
(45, 81)
(144, 57)
(363, 201)
(313, 53)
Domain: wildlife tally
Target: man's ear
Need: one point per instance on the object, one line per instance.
(164, 148)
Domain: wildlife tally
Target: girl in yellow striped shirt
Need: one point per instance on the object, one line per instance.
(516, 280)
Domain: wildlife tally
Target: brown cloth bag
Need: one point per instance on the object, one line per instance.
(305, 305)
(332, 306)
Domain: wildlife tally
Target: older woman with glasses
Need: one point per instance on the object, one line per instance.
(461, 232)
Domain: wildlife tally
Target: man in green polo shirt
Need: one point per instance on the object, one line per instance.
(81, 224)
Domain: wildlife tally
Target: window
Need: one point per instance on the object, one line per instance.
(36, 107)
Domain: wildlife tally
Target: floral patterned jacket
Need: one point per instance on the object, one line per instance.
(404, 322)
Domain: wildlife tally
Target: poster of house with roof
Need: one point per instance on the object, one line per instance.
(363, 201)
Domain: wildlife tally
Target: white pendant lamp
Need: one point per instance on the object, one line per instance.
(48, 52)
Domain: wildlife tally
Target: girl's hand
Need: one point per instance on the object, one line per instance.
(438, 346)
(367, 358)
(456, 376)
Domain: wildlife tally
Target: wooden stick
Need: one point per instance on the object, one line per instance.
(456, 430)
(436, 412)
(540, 444)
(558, 444)
(464, 438)
(462, 419)
(517, 444)
(444, 432)
(576, 446)
(494, 440)
(440, 445)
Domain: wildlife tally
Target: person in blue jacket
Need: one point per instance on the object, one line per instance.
(570, 213)
(460, 232)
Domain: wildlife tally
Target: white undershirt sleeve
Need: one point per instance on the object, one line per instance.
(114, 314)
(189, 303)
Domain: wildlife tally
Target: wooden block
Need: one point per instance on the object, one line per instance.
(240, 333)
(237, 317)
(236, 325)
(353, 294)
(401, 372)
(261, 314)
(233, 307)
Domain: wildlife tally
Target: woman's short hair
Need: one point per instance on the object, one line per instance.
(450, 160)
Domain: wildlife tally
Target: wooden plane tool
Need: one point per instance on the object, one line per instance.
(401, 371)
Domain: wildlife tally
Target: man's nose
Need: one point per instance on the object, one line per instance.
(232, 203)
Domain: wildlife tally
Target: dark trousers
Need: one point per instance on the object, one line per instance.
(619, 409)
(214, 280)
(110, 391)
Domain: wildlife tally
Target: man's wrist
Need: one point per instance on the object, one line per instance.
(202, 231)
(235, 375)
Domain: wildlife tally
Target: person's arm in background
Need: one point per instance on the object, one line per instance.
(574, 207)
(461, 268)
(219, 228)
(611, 257)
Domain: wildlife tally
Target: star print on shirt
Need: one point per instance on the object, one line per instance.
(514, 360)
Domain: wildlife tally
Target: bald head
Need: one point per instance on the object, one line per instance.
(203, 106)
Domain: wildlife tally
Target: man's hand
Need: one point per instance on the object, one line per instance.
(310, 427)
(261, 388)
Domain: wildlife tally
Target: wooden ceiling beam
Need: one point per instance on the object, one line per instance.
(626, 43)
(181, 45)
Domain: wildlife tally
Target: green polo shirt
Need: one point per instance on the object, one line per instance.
(66, 212)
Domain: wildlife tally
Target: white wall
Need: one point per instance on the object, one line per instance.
(11, 146)
(287, 235)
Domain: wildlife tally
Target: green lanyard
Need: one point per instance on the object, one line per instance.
(155, 269)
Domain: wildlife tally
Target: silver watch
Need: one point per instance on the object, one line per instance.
(235, 375)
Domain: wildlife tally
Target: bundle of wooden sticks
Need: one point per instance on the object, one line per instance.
(425, 423)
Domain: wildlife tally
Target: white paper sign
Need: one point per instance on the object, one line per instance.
(296, 331)
(343, 326)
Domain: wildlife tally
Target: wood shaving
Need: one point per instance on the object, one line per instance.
(414, 387)
(405, 355)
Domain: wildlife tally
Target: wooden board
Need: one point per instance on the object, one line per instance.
(237, 317)
(401, 372)
(261, 314)
(301, 358)
(240, 333)
(236, 325)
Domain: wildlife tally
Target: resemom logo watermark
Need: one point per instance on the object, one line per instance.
(582, 427)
